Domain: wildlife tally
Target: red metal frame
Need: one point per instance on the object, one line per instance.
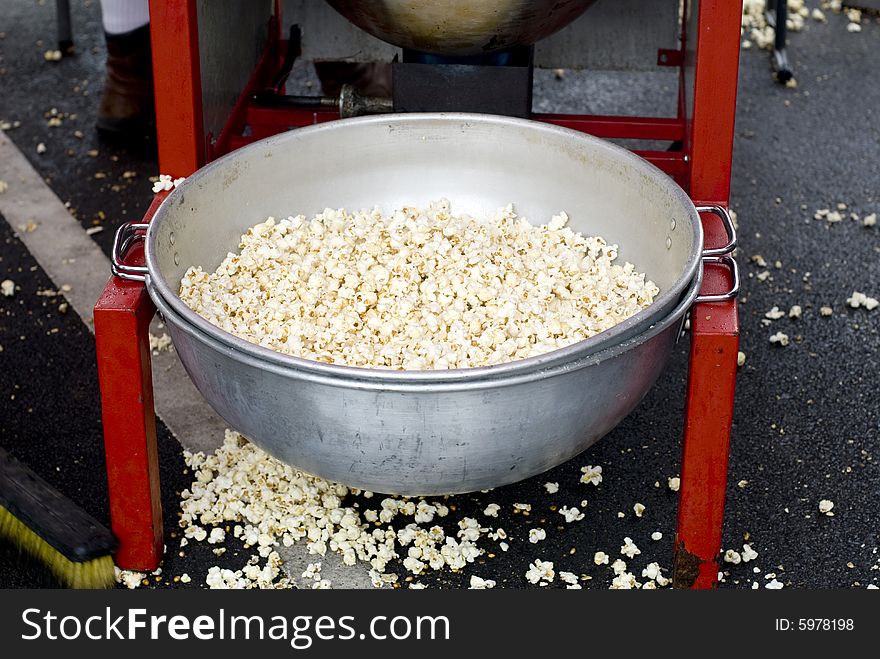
(122, 341)
(701, 166)
(178, 86)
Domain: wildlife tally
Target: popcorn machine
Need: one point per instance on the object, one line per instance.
(220, 69)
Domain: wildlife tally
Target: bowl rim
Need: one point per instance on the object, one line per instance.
(157, 284)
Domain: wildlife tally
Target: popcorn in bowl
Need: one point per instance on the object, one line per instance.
(417, 289)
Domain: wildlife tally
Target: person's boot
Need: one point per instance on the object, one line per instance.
(126, 110)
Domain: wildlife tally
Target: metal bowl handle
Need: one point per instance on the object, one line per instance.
(126, 236)
(730, 262)
(727, 221)
(721, 255)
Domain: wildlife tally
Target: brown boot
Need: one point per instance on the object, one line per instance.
(126, 108)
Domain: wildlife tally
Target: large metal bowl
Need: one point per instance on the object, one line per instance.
(429, 432)
(460, 27)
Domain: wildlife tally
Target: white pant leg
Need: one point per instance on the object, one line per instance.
(122, 16)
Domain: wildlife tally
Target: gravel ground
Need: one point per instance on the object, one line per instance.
(806, 423)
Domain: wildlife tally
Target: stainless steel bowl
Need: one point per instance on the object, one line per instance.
(460, 27)
(429, 432)
(426, 435)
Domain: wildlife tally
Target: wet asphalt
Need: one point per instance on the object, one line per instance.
(807, 420)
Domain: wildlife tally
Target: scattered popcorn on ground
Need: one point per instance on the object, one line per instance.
(552, 488)
(7, 288)
(825, 311)
(264, 503)
(540, 572)
(160, 343)
(536, 535)
(748, 554)
(774, 585)
(272, 503)
(629, 548)
(775, 314)
(638, 509)
(870, 220)
(569, 578)
(755, 27)
(781, 338)
(591, 475)
(740, 358)
(478, 583)
(572, 514)
(674, 483)
(653, 572)
(795, 311)
(732, 556)
(129, 579)
(825, 507)
(41, 148)
(858, 299)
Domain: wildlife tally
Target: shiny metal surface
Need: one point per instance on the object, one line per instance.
(430, 432)
(460, 27)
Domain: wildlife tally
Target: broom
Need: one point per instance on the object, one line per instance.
(42, 522)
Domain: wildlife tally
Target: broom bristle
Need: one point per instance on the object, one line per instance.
(94, 573)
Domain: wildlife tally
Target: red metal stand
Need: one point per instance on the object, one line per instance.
(122, 341)
(704, 131)
(714, 327)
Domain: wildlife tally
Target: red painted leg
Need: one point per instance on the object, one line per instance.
(122, 321)
(708, 416)
(122, 341)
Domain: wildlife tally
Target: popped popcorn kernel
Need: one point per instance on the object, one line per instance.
(540, 572)
(858, 299)
(536, 535)
(780, 338)
(478, 583)
(591, 475)
(416, 289)
(629, 548)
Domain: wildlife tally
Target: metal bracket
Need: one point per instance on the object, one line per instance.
(126, 236)
(669, 57)
(727, 221)
(721, 255)
(730, 262)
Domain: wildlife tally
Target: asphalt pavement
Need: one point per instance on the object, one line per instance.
(807, 419)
